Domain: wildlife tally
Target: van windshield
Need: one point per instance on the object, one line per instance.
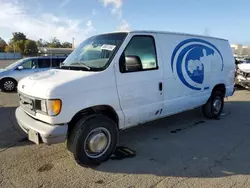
(95, 53)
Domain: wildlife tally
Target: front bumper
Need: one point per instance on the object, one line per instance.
(245, 82)
(48, 134)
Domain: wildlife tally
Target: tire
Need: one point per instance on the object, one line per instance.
(212, 109)
(88, 129)
(8, 84)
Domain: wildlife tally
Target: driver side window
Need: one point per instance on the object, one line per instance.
(140, 54)
(30, 64)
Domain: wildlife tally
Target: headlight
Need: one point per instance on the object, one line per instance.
(49, 107)
(54, 107)
(43, 106)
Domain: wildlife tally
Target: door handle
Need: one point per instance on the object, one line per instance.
(160, 86)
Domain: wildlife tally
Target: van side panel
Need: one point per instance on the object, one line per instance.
(226, 74)
(140, 98)
(192, 67)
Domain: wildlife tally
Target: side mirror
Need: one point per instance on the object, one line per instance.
(20, 68)
(61, 64)
(130, 63)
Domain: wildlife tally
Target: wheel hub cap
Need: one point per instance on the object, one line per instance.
(97, 142)
(217, 105)
(9, 85)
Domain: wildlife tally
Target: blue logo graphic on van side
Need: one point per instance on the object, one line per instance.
(192, 58)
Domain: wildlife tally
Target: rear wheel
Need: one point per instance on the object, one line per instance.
(93, 140)
(214, 106)
(8, 84)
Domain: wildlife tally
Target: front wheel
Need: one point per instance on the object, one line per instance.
(214, 106)
(8, 85)
(93, 140)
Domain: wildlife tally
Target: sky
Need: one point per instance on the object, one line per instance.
(78, 19)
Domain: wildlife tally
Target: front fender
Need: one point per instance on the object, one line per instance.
(72, 104)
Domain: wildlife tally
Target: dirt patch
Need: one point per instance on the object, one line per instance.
(46, 167)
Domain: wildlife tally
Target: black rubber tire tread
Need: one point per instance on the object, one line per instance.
(7, 79)
(207, 108)
(75, 142)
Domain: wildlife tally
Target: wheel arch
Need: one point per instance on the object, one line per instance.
(220, 87)
(207, 108)
(7, 77)
(99, 109)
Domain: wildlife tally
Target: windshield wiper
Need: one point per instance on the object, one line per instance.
(81, 64)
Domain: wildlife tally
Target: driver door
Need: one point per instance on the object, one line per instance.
(139, 80)
(28, 67)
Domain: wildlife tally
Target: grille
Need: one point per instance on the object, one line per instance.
(247, 75)
(27, 103)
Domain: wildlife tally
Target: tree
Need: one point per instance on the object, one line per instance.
(9, 48)
(41, 43)
(20, 43)
(55, 43)
(17, 36)
(19, 46)
(30, 47)
(2, 45)
(16, 44)
(66, 45)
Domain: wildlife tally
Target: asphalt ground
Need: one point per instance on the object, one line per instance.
(184, 150)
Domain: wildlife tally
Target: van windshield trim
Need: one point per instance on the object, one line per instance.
(96, 52)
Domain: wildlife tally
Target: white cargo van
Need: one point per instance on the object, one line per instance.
(114, 81)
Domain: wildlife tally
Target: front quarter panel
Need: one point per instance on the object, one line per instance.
(99, 89)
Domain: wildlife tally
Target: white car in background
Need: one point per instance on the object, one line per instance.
(243, 74)
(10, 75)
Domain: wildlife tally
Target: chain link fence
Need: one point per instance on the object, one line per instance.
(10, 56)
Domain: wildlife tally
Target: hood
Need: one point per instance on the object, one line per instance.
(245, 67)
(40, 85)
(2, 70)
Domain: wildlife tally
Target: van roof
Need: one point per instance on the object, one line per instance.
(168, 32)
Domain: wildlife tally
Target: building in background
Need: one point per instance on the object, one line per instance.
(240, 50)
(45, 51)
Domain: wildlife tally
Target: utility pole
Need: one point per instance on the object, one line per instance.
(207, 31)
(73, 42)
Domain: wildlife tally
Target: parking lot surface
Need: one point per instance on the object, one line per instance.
(184, 150)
